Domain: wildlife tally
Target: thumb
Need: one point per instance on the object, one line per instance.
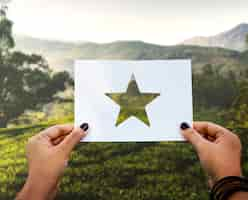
(72, 140)
(193, 136)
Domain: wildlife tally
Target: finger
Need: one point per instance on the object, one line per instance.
(58, 140)
(71, 140)
(57, 131)
(210, 129)
(193, 136)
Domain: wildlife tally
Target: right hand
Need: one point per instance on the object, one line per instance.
(48, 153)
(219, 149)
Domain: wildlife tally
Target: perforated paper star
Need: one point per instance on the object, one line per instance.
(132, 103)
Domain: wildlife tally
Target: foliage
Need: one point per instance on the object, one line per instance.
(132, 103)
(52, 111)
(25, 80)
(212, 89)
(246, 40)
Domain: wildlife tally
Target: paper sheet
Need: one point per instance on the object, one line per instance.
(138, 101)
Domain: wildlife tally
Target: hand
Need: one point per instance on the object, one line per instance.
(219, 149)
(48, 154)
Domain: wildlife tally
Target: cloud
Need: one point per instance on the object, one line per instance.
(157, 21)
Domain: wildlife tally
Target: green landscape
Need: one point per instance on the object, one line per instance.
(132, 102)
(34, 95)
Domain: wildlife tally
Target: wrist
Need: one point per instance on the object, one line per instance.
(225, 173)
(229, 187)
(37, 188)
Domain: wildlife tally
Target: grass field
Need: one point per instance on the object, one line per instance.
(169, 171)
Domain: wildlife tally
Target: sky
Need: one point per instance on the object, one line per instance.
(163, 22)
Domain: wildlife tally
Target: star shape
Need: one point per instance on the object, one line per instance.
(132, 102)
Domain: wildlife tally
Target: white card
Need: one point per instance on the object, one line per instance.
(124, 101)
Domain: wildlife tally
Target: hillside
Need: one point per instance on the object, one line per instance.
(231, 39)
(109, 170)
(116, 171)
(61, 55)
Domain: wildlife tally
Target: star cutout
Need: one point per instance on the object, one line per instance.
(132, 102)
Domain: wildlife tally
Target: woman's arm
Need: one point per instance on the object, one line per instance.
(219, 151)
(48, 154)
(239, 196)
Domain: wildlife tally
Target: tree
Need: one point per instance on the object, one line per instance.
(213, 89)
(26, 81)
(246, 40)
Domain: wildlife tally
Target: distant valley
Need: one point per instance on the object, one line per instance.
(61, 55)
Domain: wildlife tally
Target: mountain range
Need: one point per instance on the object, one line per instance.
(232, 39)
(61, 55)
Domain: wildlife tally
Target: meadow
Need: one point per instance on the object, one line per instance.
(114, 171)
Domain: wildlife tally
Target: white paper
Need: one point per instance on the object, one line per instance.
(171, 78)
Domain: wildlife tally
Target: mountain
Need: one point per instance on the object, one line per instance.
(231, 39)
(61, 55)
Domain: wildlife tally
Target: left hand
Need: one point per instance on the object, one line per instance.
(218, 148)
(48, 154)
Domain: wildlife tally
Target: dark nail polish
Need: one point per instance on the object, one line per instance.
(184, 126)
(84, 126)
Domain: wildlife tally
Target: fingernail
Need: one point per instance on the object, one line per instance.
(184, 126)
(84, 127)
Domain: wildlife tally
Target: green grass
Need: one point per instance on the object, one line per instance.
(112, 171)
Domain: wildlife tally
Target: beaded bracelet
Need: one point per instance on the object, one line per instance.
(227, 186)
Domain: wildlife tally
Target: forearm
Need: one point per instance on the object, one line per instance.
(239, 196)
(35, 190)
(28, 193)
(47, 160)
